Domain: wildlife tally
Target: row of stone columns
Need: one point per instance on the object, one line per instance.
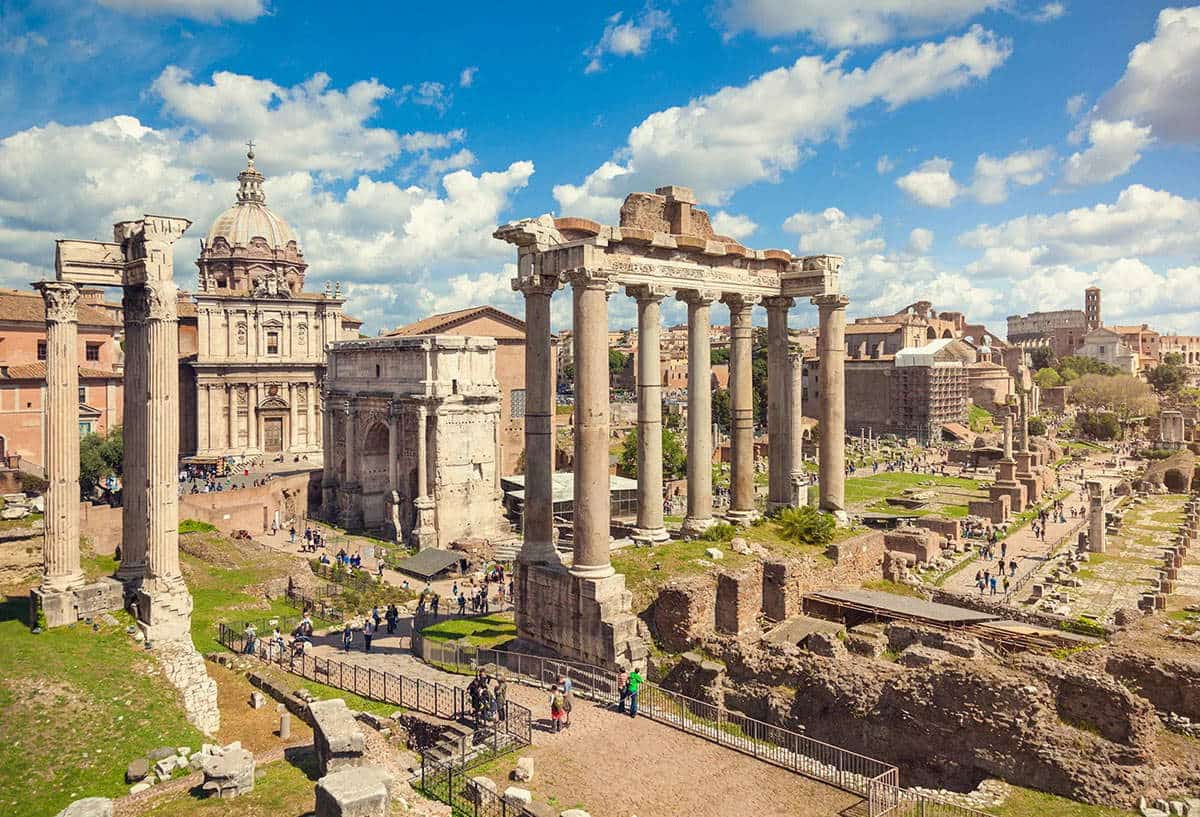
(590, 291)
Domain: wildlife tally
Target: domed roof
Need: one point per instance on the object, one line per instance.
(250, 218)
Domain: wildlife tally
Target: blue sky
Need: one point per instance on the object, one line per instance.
(993, 156)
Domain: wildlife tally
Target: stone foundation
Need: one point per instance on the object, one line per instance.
(583, 619)
(184, 668)
(996, 510)
(739, 601)
(64, 607)
(165, 611)
(338, 740)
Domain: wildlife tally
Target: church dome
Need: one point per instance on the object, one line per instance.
(250, 218)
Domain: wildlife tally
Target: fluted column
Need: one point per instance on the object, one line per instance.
(796, 476)
(426, 528)
(422, 452)
(832, 351)
(162, 438)
(349, 416)
(60, 547)
(538, 522)
(700, 444)
(252, 416)
(742, 509)
(134, 430)
(592, 518)
(650, 527)
(393, 421)
(779, 429)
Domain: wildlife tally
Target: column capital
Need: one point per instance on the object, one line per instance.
(830, 300)
(738, 300)
(784, 302)
(697, 297)
(647, 292)
(62, 301)
(537, 285)
(589, 278)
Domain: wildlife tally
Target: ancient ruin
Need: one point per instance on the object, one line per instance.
(662, 245)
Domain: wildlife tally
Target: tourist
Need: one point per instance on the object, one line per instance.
(635, 683)
(622, 690)
(462, 605)
(564, 683)
(433, 602)
(347, 637)
(391, 616)
(251, 636)
(475, 692)
(454, 589)
(993, 583)
(369, 627)
(1012, 567)
(376, 615)
(556, 708)
(305, 627)
(1006, 585)
(275, 647)
(501, 696)
(292, 535)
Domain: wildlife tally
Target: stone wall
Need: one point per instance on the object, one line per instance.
(951, 529)
(1171, 684)
(184, 668)
(683, 613)
(739, 601)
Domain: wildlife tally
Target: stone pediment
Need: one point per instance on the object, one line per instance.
(273, 403)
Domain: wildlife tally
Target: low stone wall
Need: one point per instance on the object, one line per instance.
(101, 524)
(951, 529)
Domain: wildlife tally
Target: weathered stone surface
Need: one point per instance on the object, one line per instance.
(228, 772)
(826, 644)
(89, 807)
(574, 812)
(338, 740)
(919, 655)
(360, 791)
(523, 773)
(739, 601)
(137, 770)
(518, 796)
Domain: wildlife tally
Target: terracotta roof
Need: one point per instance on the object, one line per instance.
(37, 371)
(27, 307)
(439, 323)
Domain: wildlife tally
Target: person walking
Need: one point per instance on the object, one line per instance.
(502, 698)
(564, 683)
(375, 615)
(433, 603)
(369, 627)
(556, 708)
(462, 605)
(635, 683)
(347, 637)
(622, 690)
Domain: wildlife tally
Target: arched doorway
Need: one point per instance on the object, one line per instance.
(373, 475)
(272, 419)
(931, 334)
(946, 333)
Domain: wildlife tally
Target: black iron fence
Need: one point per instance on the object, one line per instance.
(451, 784)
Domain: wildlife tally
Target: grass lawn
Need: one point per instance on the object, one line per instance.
(647, 569)
(482, 631)
(285, 790)
(77, 705)
(880, 486)
(15, 524)
(1030, 803)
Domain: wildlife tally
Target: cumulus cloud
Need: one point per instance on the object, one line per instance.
(628, 38)
(206, 11)
(430, 94)
(931, 184)
(850, 22)
(733, 225)
(1162, 73)
(755, 132)
(832, 231)
(920, 240)
(1114, 148)
(1076, 104)
(76, 180)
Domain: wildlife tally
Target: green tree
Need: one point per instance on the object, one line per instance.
(1173, 359)
(1099, 425)
(1167, 378)
(99, 457)
(1037, 426)
(1123, 395)
(674, 458)
(1086, 365)
(1047, 378)
(722, 410)
(805, 525)
(718, 355)
(617, 361)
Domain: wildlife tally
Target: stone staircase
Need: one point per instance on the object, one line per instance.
(454, 741)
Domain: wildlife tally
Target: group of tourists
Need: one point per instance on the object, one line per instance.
(489, 698)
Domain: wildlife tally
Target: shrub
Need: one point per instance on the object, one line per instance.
(1155, 453)
(806, 526)
(720, 532)
(32, 484)
(195, 526)
(1037, 426)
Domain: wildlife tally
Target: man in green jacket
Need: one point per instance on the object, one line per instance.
(635, 682)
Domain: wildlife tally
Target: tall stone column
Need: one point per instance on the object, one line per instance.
(329, 476)
(650, 527)
(393, 421)
(796, 475)
(134, 430)
(538, 522)
(779, 427)
(162, 438)
(60, 549)
(592, 518)
(1008, 436)
(350, 417)
(700, 443)
(252, 416)
(425, 531)
(832, 352)
(742, 510)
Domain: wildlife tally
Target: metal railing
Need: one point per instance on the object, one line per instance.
(452, 785)
(514, 726)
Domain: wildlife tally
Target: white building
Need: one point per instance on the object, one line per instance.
(1109, 347)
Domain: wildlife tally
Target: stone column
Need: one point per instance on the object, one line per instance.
(699, 469)
(1008, 436)
(779, 428)
(425, 531)
(134, 430)
(832, 353)
(293, 417)
(329, 477)
(162, 437)
(649, 528)
(1096, 531)
(252, 416)
(230, 416)
(350, 415)
(311, 437)
(798, 490)
(742, 510)
(393, 418)
(592, 519)
(538, 522)
(60, 548)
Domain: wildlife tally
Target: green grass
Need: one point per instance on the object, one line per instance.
(284, 790)
(674, 560)
(76, 705)
(1029, 803)
(887, 586)
(15, 524)
(979, 419)
(483, 631)
(195, 526)
(880, 486)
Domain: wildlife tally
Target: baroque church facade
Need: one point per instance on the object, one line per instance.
(252, 384)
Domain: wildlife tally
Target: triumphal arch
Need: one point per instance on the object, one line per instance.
(663, 245)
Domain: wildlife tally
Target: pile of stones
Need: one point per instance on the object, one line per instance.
(162, 763)
(228, 771)
(19, 506)
(1169, 808)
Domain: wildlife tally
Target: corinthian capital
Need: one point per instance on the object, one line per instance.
(697, 297)
(62, 301)
(647, 292)
(589, 278)
(830, 300)
(537, 285)
(162, 300)
(778, 302)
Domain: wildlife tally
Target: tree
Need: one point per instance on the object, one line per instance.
(1047, 378)
(722, 410)
(1087, 365)
(1173, 359)
(1037, 426)
(1167, 378)
(617, 361)
(718, 355)
(1042, 358)
(806, 525)
(1124, 395)
(674, 459)
(1099, 425)
(99, 458)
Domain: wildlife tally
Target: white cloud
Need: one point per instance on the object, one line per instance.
(832, 231)
(1076, 104)
(466, 77)
(733, 225)
(1115, 148)
(455, 161)
(76, 180)
(992, 176)
(630, 38)
(931, 184)
(206, 11)
(430, 94)
(1162, 79)
(850, 22)
(1048, 12)
(884, 165)
(739, 135)
(920, 240)
(424, 140)
(19, 44)
(1141, 222)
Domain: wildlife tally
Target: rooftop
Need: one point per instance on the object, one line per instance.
(20, 306)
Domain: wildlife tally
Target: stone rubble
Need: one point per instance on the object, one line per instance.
(228, 771)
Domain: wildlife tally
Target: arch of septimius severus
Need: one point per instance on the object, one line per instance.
(663, 245)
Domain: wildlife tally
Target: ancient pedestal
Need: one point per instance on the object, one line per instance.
(1096, 534)
(359, 792)
(338, 740)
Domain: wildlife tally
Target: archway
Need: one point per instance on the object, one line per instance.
(373, 475)
(946, 333)
(931, 333)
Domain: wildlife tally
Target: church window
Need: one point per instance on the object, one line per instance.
(272, 343)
